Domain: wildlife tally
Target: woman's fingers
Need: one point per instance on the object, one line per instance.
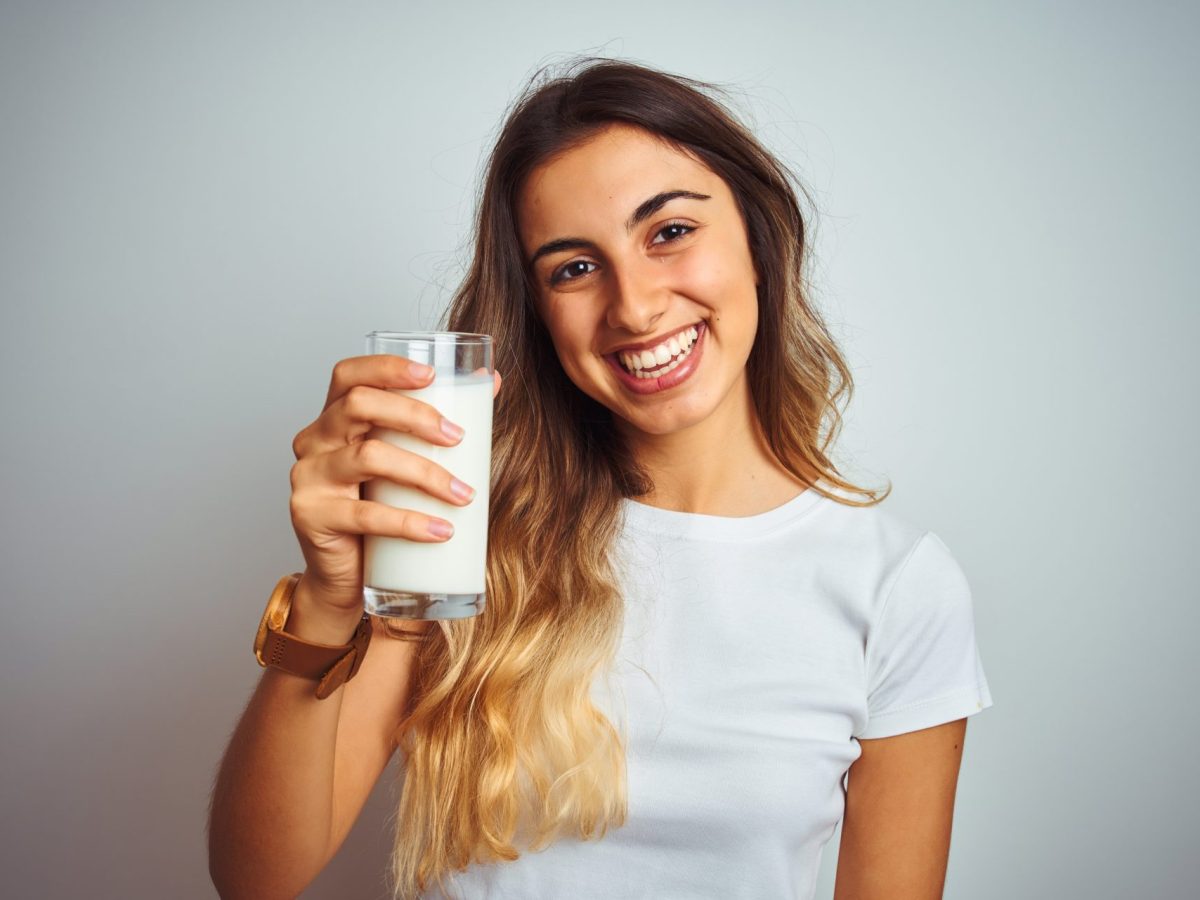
(361, 408)
(363, 395)
(381, 370)
(373, 458)
(345, 516)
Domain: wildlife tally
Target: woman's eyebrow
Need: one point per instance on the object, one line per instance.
(556, 246)
(657, 202)
(644, 211)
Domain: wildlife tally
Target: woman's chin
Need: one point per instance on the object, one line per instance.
(677, 418)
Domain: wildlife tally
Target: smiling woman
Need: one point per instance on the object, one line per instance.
(695, 630)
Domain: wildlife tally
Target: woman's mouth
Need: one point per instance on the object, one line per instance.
(662, 367)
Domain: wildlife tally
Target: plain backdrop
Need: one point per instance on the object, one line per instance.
(204, 206)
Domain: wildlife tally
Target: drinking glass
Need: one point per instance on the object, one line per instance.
(444, 579)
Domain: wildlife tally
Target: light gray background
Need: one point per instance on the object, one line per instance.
(204, 206)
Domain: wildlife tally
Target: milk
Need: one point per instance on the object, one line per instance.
(456, 565)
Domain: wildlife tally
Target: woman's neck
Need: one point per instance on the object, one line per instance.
(721, 466)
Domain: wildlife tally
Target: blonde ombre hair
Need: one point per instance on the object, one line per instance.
(503, 744)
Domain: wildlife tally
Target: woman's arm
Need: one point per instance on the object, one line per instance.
(899, 811)
(298, 770)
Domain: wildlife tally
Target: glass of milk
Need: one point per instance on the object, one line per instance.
(444, 579)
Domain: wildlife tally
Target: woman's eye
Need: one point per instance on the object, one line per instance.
(673, 231)
(572, 271)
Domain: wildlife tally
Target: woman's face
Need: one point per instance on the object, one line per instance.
(637, 247)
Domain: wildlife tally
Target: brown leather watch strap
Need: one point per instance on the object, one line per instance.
(333, 665)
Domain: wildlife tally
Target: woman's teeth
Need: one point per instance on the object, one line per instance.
(660, 360)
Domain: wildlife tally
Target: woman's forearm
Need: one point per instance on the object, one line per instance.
(272, 807)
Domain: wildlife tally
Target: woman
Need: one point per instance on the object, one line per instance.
(693, 632)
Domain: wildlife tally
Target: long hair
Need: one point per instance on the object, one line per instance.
(502, 745)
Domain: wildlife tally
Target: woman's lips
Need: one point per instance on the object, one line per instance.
(664, 382)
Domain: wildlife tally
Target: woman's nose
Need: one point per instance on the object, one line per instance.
(636, 301)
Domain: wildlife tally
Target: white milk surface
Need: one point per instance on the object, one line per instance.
(454, 566)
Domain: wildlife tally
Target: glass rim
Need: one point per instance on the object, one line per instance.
(434, 337)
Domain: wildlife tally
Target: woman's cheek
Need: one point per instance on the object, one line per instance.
(697, 275)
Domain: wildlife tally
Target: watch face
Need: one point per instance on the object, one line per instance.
(274, 616)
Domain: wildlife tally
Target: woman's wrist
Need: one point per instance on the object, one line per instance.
(311, 619)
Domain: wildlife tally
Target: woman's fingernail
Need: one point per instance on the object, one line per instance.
(420, 370)
(441, 529)
(460, 490)
(450, 430)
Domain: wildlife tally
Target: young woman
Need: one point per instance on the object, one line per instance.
(694, 631)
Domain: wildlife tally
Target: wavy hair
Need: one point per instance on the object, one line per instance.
(503, 747)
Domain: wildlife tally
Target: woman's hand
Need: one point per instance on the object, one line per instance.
(334, 456)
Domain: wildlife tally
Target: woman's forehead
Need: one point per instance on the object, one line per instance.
(601, 180)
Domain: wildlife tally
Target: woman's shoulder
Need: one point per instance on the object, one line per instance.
(877, 546)
(881, 532)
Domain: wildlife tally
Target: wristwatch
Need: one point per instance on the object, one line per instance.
(329, 665)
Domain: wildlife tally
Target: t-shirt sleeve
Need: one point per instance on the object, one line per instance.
(923, 666)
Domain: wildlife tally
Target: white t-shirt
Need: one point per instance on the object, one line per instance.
(755, 652)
